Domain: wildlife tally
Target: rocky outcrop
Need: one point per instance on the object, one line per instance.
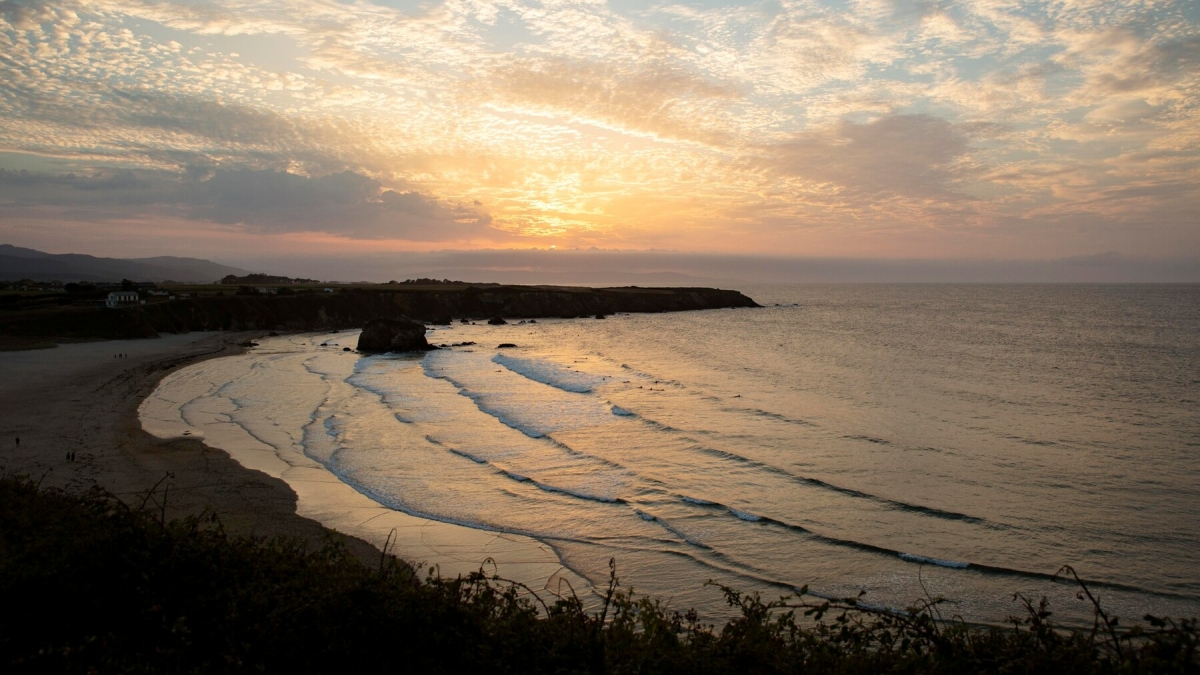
(393, 335)
(497, 321)
(351, 308)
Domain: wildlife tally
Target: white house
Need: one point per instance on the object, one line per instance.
(122, 299)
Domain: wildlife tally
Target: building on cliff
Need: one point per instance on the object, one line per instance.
(122, 299)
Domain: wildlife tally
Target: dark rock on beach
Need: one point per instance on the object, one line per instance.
(497, 321)
(506, 345)
(393, 335)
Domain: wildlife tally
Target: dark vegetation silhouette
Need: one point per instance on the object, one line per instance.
(258, 278)
(92, 584)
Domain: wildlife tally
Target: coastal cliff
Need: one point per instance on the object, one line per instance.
(352, 307)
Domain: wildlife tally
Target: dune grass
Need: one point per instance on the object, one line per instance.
(92, 584)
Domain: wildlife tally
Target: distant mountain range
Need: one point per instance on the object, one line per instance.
(25, 263)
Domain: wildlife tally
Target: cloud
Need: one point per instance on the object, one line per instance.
(259, 201)
(25, 15)
(342, 203)
(906, 155)
(656, 98)
(129, 189)
(175, 131)
(597, 123)
(1140, 65)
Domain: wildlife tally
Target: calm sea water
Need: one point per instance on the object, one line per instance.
(962, 441)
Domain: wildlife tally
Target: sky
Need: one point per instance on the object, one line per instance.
(874, 129)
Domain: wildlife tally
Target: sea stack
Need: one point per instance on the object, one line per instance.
(393, 335)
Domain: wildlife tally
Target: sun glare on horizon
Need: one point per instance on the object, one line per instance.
(865, 128)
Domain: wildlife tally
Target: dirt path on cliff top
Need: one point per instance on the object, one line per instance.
(84, 398)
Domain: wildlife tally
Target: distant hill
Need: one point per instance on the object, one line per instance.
(26, 263)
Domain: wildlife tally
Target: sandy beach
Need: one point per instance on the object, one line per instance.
(85, 399)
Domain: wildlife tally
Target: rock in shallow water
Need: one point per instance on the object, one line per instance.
(393, 335)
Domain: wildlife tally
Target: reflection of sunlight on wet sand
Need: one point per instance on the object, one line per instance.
(185, 404)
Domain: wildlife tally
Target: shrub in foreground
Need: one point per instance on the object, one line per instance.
(90, 584)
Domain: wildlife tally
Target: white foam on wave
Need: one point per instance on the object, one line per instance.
(550, 373)
(934, 561)
(697, 501)
(546, 487)
(748, 517)
(578, 494)
(378, 375)
(504, 414)
(684, 537)
(621, 412)
(518, 401)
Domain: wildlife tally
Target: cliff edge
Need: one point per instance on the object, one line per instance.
(354, 306)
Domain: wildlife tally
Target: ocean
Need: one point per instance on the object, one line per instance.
(888, 442)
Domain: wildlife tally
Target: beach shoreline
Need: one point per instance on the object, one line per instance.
(74, 410)
(437, 547)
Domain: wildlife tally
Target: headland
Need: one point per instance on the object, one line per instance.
(299, 307)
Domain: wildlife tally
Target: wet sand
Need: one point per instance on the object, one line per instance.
(448, 548)
(79, 398)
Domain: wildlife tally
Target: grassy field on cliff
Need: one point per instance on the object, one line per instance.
(91, 584)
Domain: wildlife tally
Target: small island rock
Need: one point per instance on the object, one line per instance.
(393, 335)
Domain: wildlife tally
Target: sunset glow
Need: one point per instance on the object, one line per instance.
(868, 128)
